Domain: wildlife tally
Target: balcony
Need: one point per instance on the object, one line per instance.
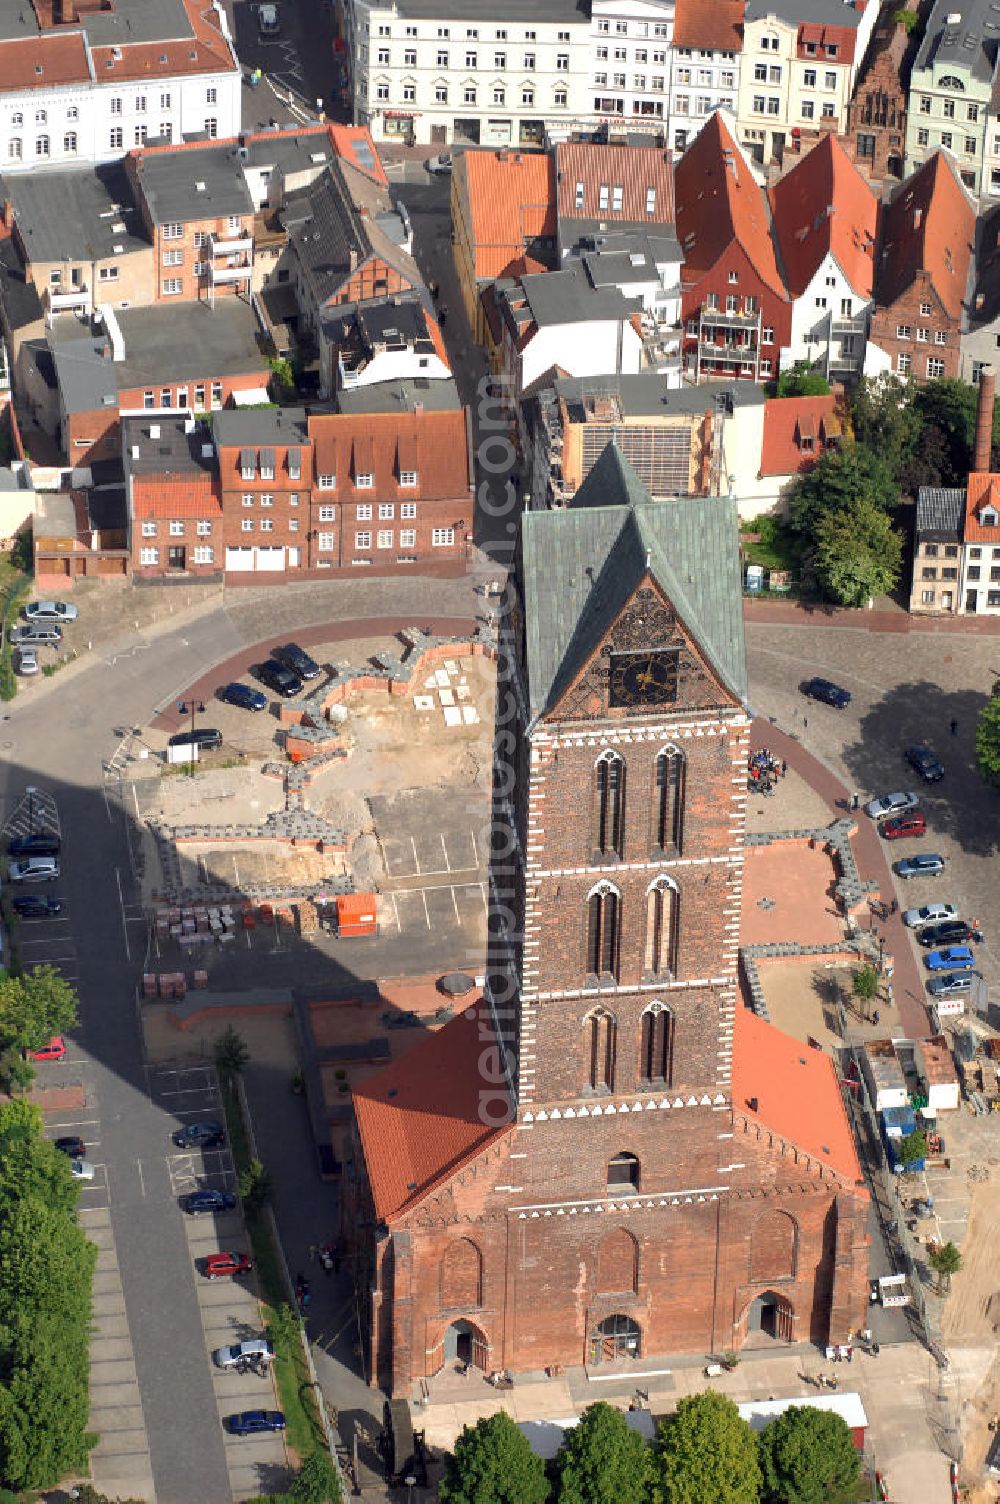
(849, 326)
(729, 320)
(729, 354)
(72, 297)
(219, 274)
(243, 246)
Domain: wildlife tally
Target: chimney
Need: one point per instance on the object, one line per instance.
(918, 215)
(984, 419)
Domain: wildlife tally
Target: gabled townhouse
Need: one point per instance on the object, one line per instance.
(800, 62)
(604, 188)
(79, 239)
(83, 82)
(565, 319)
(937, 550)
(980, 338)
(922, 275)
(265, 481)
(393, 340)
(188, 358)
(173, 501)
(876, 117)
(951, 87)
(391, 490)
(348, 243)
(825, 220)
(736, 311)
(794, 433)
(503, 218)
(979, 591)
(197, 211)
(705, 65)
(630, 60)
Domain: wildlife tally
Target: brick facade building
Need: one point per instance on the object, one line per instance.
(876, 120)
(608, 1158)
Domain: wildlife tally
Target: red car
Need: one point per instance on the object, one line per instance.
(54, 1050)
(912, 824)
(223, 1265)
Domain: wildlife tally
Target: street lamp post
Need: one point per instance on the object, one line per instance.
(410, 1482)
(192, 708)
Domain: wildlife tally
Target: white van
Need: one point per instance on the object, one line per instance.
(267, 20)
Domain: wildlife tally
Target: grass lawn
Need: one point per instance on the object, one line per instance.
(778, 548)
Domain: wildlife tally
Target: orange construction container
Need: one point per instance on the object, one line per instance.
(356, 914)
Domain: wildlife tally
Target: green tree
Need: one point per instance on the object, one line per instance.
(884, 419)
(708, 1454)
(988, 742)
(838, 481)
(857, 554)
(945, 1260)
(907, 19)
(865, 983)
(231, 1052)
(493, 1464)
(254, 1185)
(35, 1006)
(807, 1457)
(801, 381)
(602, 1461)
(316, 1481)
(950, 406)
(912, 1148)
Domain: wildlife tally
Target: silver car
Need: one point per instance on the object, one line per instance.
(27, 661)
(34, 869)
(82, 1169)
(891, 804)
(254, 1350)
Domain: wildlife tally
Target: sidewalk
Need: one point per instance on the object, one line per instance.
(879, 620)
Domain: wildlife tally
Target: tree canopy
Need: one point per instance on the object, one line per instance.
(857, 554)
(924, 433)
(807, 1457)
(707, 1454)
(35, 1006)
(602, 1461)
(988, 742)
(493, 1464)
(800, 381)
(840, 479)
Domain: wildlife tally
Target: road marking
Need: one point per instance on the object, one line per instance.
(416, 859)
(121, 901)
(445, 850)
(475, 848)
(454, 902)
(395, 913)
(142, 1183)
(427, 916)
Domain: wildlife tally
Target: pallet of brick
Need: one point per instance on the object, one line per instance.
(180, 985)
(285, 918)
(166, 984)
(308, 918)
(266, 913)
(149, 984)
(201, 921)
(249, 917)
(228, 916)
(200, 979)
(174, 915)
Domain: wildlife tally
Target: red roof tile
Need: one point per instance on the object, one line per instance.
(788, 421)
(635, 169)
(42, 62)
(164, 496)
(346, 139)
(709, 25)
(511, 201)
(795, 1090)
(825, 205)
(982, 490)
(929, 226)
(441, 447)
(719, 201)
(420, 1118)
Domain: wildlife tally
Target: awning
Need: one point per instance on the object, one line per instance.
(257, 396)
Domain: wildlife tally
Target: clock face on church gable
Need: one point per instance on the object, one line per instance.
(643, 678)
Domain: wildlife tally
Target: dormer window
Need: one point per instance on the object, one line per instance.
(364, 481)
(407, 478)
(326, 482)
(988, 517)
(806, 443)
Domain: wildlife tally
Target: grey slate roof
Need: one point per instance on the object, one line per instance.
(805, 12)
(580, 565)
(254, 426)
(325, 225)
(642, 394)
(204, 184)
(21, 303)
(486, 10)
(568, 297)
(946, 45)
(940, 510)
(71, 216)
(401, 396)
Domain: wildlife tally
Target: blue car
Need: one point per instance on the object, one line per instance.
(252, 1422)
(927, 864)
(829, 693)
(243, 695)
(198, 1203)
(951, 958)
(35, 905)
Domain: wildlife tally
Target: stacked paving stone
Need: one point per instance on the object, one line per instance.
(280, 825)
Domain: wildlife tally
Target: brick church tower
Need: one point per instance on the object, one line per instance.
(609, 1159)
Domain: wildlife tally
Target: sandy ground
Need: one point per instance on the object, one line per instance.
(972, 1320)
(802, 1000)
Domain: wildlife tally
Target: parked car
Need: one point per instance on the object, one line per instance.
(54, 1050)
(279, 678)
(37, 635)
(225, 1265)
(912, 824)
(34, 869)
(50, 611)
(891, 804)
(920, 757)
(440, 165)
(71, 1144)
(82, 1169)
(35, 905)
(243, 695)
(926, 864)
(268, 22)
(38, 843)
(209, 1135)
(298, 660)
(950, 981)
(946, 932)
(206, 737)
(931, 913)
(952, 958)
(199, 1203)
(27, 660)
(829, 693)
(253, 1350)
(253, 1422)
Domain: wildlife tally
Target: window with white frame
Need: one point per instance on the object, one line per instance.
(940, 337)
(293, 524)
(362, 540)
(325, 542)
(364, 481)
(173, 258)
(364, 511)
(247, 524)
(149, 556)
(148, 529)
(383, 538)
(248, 498)
(176, 528)
(386, 510)
(903, 363)
(204, 553)
(172, 231)
(203, 527)
(267, 500)
(327, 482)
(107, 274)
(935, 366)
(267, 524)
(442, 537)
(408, 537)
(408, 509)
(329, 514)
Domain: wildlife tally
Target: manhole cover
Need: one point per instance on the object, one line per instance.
(456, 984)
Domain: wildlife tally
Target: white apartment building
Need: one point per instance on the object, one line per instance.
(90, 91)
(705, 67)
(431, 72)
(631, 42)
(800, 61)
